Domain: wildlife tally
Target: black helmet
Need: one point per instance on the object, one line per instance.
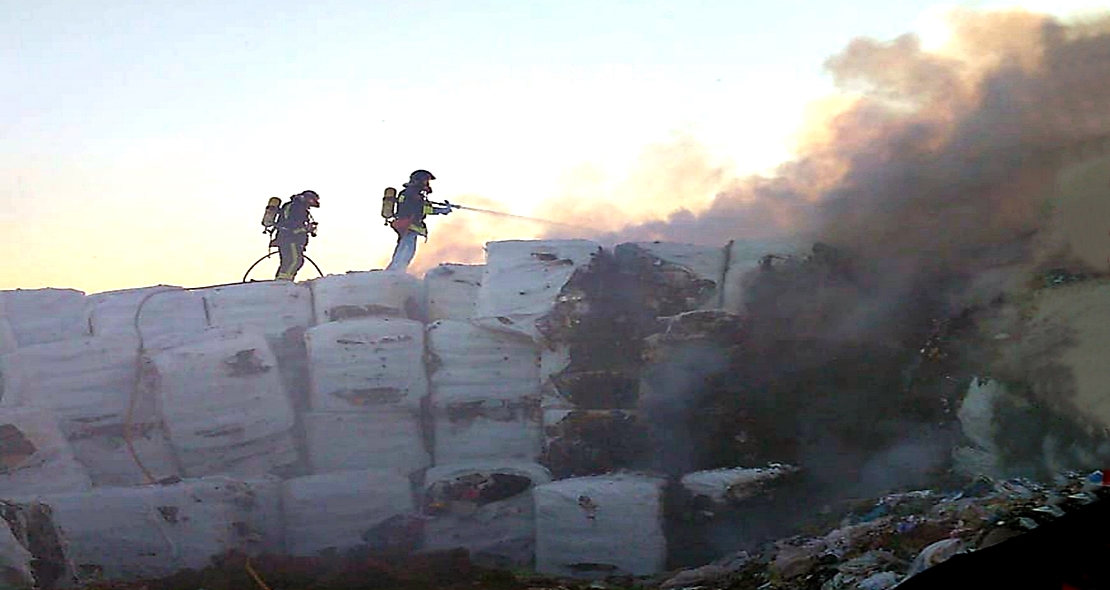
(309, 198)
(421, 175)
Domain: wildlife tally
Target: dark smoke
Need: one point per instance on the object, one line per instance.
(939, 161)
(937, 170)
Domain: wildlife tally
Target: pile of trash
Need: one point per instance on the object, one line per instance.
(879, 544)
(1061, 276)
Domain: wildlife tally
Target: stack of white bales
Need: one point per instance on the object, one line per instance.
(528, 289)
(582, 524)
(363, 429)
(214, 388)
(485, 408)
(367, 375)
(592, 383)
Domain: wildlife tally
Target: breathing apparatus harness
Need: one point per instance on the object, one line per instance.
(271, 222)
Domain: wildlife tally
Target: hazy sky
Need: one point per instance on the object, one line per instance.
(140, 141)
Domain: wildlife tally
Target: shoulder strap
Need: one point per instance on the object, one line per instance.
(283, 213)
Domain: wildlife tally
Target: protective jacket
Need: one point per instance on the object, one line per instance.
(412, 208)
(294, 223)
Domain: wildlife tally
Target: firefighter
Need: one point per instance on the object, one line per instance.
(294, 226)
(408, 222)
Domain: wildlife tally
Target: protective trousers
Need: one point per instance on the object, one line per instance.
(291, 256)
(405, 250)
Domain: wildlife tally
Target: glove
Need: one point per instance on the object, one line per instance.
(312, 229)
(440, 210)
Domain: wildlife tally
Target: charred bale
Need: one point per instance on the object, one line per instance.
(581, 442)
(599, 389)
(674, 278)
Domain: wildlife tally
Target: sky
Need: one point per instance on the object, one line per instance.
(139, 142)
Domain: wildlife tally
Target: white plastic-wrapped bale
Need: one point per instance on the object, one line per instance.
(675, 277)
(366, 293)
(486, 508)
(90, 386)
(591, 442)
(527, 285)
(154, 531)
(255, 523)
(601, 525)
(160, 310)
(736, 484)
(348, 509)
(365, 364)
(7, 339)
(164, 342)
(745, 256)
(282, 311)
(470, 363)
(86, 381)
(224, 406)
(387, 438)
(113, 459)
(491, 429)
(15, 560)
(485, 393)
(451, 291)
(269, 307)
(35, 457)
(38, 316)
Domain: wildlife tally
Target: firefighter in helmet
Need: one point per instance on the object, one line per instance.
(412, 207)
(293, 228)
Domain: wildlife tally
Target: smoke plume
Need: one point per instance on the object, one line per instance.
(928, 166)
(928, 169)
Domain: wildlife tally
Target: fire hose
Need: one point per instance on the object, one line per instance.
(271, 253)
